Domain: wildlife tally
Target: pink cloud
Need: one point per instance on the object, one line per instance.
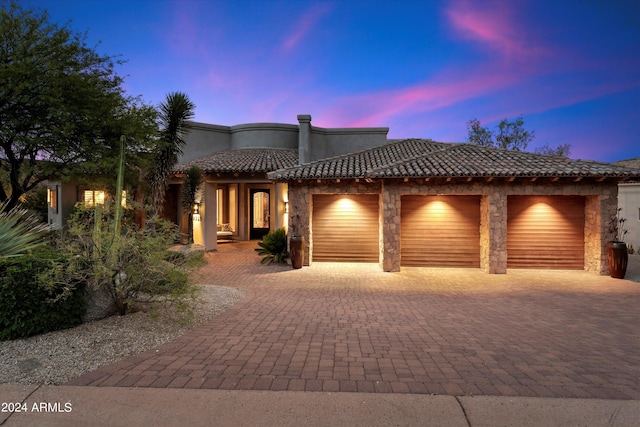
(304, 26)
(378, 108)
(494, 24)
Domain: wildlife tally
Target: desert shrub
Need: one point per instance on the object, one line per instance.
(20, 231)
(30, 305)
(132, 266)
(273, 247)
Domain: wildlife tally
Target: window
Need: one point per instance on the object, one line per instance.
(93, 198)
(97, 197)
(52, 198)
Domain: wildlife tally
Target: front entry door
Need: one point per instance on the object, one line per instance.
(260, 216)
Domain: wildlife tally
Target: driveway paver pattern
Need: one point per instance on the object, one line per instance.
(352, 328)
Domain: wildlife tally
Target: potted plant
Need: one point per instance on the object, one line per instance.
(617, 254)
(296, 244)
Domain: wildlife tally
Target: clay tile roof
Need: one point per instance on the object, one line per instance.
(416, 158)
(248, 160)
(630, 163)
(357, 165)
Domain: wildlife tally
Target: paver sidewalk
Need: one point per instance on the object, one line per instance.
(352, 328)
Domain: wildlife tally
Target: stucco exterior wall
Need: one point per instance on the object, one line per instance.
(203, 140)
(314, 142)
(326, 143)
(629, 202)
(264, 135)
(67, 197)
(600, 203)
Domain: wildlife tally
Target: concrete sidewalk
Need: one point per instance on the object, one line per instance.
(108, 406)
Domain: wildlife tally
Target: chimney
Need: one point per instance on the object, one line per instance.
(304, 138)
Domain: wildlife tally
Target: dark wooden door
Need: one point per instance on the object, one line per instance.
(260, 217)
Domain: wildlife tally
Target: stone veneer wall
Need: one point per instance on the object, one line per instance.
(600, 204)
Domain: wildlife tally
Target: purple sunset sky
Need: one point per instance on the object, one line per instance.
(422, 68)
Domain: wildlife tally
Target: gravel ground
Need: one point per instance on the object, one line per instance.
(56, 357)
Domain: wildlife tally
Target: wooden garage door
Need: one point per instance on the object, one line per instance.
(440, 231)
(345, 228)
(545, 232)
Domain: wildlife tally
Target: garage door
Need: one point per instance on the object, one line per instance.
(545, 232)
(345, 228)
(440, 231)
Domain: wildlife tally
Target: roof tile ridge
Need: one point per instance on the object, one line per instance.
(446, 146)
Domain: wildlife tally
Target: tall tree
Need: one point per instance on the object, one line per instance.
(175, 111)
(59, 101)
(510, 135)
(478, 134)
(561, 150)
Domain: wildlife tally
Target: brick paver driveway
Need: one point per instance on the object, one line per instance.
(351, 327)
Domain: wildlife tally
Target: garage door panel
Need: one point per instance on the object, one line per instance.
(345, 228)
(440, 231)
(545, 232)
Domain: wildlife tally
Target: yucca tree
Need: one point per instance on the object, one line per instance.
(20, 232)
(175, 111)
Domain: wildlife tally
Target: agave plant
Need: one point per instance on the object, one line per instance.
(20, 231)
(274, 247)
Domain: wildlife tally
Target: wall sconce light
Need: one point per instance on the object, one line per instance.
(286, 207)
(196, 208)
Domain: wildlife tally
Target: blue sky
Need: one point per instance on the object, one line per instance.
(421, 68)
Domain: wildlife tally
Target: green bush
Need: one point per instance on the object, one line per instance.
(132, 266)
(28, 305)
(273, 247)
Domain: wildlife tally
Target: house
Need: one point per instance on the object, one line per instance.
(62, 196)
(629, 203)
(356, 196)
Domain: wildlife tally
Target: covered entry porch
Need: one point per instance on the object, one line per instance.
(238, 210)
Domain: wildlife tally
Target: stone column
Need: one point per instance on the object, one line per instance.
(300, 215)
(497, 228)
(391, 255)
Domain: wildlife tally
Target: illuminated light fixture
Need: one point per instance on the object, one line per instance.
(286, 207)
(345, 204)
(196, 211)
